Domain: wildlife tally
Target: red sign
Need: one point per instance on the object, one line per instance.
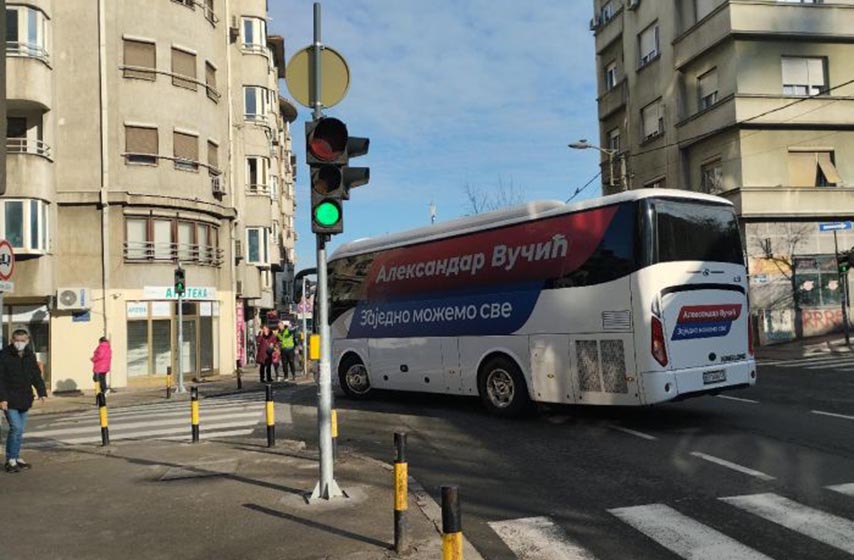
(7, 260)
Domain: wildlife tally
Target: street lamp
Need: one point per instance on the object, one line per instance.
(583, 144)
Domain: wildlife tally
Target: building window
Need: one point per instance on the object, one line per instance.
(707, 87)
(255, 105)
(614, 139)
(254, 32)
(156, 238)
(258, 245)
(813, 169)
(648, 42)
(257, 175)
(804, 76)
(213, 158)
(610, 76)
(184, 69)
(705, 7)
(210, 81)
(210, 14)
(608, 11)
(712, 177)
(141, 145)
(25, 225)
(817, 281)
(186, 151)
(26, 33)
(274, 187)
(24, 135)
(140, 59)
(652, 120)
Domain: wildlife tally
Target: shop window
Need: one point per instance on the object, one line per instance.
(138, 348)
(140, 59)
(813, 169)
(817, 281)
(184, 69)
(25, 225)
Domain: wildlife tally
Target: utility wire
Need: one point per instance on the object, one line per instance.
(580, 189)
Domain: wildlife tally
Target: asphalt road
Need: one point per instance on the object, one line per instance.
(768, 473)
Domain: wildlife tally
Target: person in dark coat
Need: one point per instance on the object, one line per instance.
(19, 373)
(264, 344)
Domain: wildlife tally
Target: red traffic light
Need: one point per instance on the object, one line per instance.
(328, 140)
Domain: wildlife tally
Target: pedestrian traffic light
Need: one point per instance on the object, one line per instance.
(329, 148)
(180, 282)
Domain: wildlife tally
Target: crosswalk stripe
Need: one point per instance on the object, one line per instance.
(730, 465)
(815, 361)
(118, 416)
(684, 536)
(832, 414)
(118, 426)
(847, 489)
(823, 527)
(183, 406)
(538, 538)
(205, 431)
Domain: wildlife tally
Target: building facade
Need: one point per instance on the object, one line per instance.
(131, 126)
(749, 100)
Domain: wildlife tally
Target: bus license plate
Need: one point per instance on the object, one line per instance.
(715, 376)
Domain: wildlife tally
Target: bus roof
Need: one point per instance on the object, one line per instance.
(515, 214)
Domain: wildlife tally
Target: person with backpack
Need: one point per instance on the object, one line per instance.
(19, 373)
(101, 362)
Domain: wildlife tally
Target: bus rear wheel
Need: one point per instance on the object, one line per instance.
(353, 376)
(502, 388)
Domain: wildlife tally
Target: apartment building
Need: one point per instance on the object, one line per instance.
(750, 100)
(141, 135)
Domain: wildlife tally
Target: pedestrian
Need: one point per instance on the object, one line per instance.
(101, 361)
(277, 356)
(19, 373)
(286, 340)
(264, 353)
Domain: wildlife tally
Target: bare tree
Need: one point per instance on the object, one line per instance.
(479, 199)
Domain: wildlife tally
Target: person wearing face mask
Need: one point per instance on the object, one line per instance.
(19, 373)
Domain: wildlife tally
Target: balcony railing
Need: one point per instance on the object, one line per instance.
(260, 190)
(27, 50)
(27, 146)
(147, 251)
(207, 9)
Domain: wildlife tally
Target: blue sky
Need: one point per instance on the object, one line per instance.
(478, 92)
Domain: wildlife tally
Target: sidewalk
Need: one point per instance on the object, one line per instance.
(830, 344)
(217, 499)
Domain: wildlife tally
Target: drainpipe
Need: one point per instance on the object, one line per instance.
(105, 166)
(233, 228)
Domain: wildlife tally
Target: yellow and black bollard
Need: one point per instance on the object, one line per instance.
(271, 418)
(401, 479)
(452, 525)
(168, 382)
(334, 432)
(105, 424)
(194, 413)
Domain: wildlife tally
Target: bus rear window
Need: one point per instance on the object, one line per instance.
(695, 231)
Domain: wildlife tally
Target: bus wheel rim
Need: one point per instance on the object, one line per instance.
(357, 379)
(500, 388)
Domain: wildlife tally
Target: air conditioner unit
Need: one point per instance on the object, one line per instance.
(234, 28)
(216, 184)
(238, 250)
(72, 298)
(633, 4)
(239, 287)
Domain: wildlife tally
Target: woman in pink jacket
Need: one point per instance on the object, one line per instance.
(101, 363)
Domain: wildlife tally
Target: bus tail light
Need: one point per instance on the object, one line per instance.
(659, 350)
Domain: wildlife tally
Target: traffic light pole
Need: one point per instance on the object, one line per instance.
(326, 487)
(843, 286)
(181, 388)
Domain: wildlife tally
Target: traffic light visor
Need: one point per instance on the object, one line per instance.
(327, 213)
(328, 140)
(326, 180)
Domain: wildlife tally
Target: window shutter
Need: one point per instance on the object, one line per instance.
(183, 64)
(708, 83)
(213, 155)
(140, 54)
(186, 146)
(802, 169)
(795, 71)
(815, 72)
(827, 167)
(139, 140)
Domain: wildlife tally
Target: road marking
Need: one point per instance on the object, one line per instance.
(684, 536)
(117, 416)
(847, 489)
(739, 399)
(823, 527)
(800, 362)
(832, 414)
(632, 432)
(205, 431)
(118, 426)
(731, 465)
(538, 538)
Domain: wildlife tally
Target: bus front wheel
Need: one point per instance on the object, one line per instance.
(354, 378)
(502, 387)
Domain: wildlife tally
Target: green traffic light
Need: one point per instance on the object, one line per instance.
(327, 214)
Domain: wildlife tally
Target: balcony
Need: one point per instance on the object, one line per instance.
(609, 31)
(28, 78)
(29, 169)
(27, 146)
(259, 190)
(147, 252)
(613, 100)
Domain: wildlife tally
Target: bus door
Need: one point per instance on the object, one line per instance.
(704, 325)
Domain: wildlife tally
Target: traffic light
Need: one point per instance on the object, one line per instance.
(329, 148)
(845, 261)
(180, 282)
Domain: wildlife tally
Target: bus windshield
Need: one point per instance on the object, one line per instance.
(692, 231)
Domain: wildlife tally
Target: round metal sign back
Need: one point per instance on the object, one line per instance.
(334, 82)
(7, 260)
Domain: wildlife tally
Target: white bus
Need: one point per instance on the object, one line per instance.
(630, 299)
